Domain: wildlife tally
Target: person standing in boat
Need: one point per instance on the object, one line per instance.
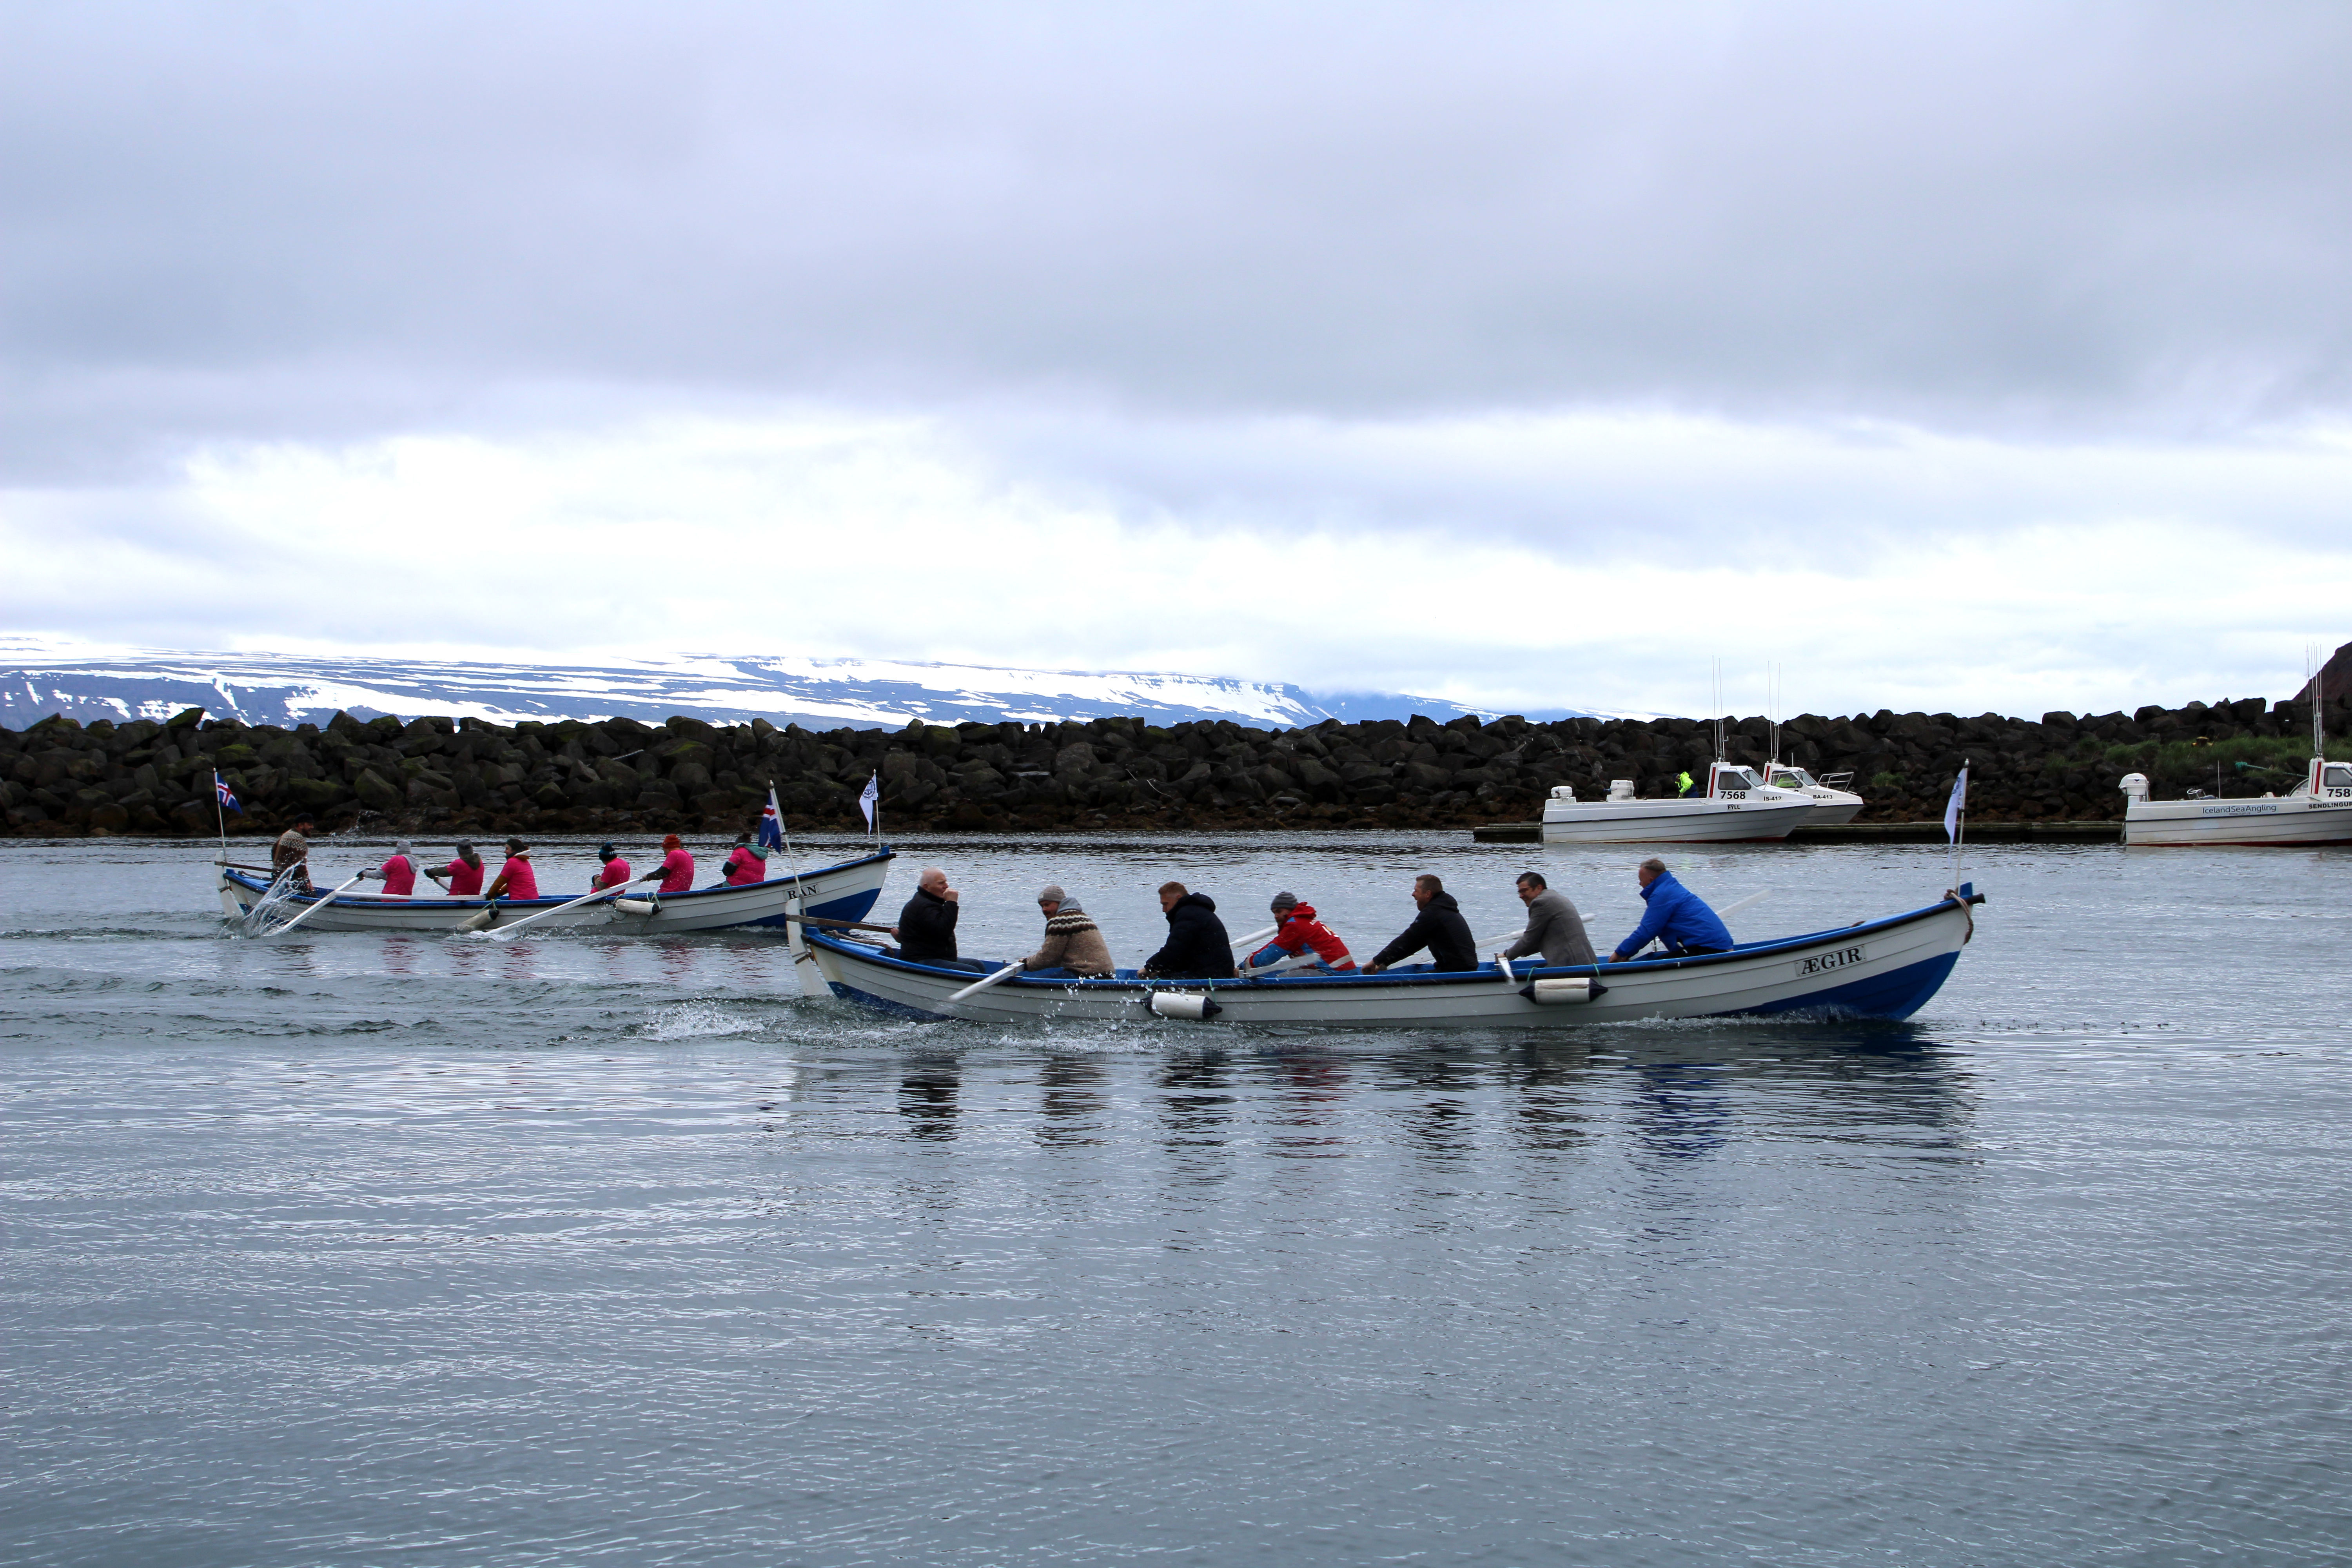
(516, 879)
(925, 931)
(677, 867)
(1439, 927)
(615, 869)
(461, 877)
(292, 852)
(1554, 928)
(1298, 932)
(747, 863)
(1199, 948)
(1677, 919)
(1074, 944)
(398, 873)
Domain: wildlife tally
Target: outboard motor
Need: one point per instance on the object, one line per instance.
(2135, 786)
(1563, 791)
(1620, 789)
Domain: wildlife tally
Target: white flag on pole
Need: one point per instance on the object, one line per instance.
(1960, 803)
(871, 798)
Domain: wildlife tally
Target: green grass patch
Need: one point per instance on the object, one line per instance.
(2192, 762)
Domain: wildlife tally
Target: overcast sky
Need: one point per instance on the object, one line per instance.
(1956, 357)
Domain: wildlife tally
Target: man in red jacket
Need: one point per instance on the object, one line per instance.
(1300, 933)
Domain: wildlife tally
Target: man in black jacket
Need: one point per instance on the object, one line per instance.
(925, 928)
(1439, 928)
(1198, 947)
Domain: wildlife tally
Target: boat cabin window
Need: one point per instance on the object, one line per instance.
(1792, 778)
(2336, 775)
(1738, 778)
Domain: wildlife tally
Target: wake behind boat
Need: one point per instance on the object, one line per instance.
(1872, 969)
(846, 891)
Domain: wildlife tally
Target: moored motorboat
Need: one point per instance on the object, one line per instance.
(2316, 811)
(1872, 969)
(1737, 806)
(846, 891)
(1834, 806)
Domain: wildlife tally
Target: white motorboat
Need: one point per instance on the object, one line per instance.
(845, 892)
(2316, 811)
(1833, 804)
(1872, 969)
(1737, 805)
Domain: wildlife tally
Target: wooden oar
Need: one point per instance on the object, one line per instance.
(978, 985)
(1755, 897)
(614, 891)
(316, 906)
(1255, 938)
(843, 925)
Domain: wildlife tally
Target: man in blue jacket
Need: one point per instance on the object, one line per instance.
(1677, 916)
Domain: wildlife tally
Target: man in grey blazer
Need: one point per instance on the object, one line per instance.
(1554, 928)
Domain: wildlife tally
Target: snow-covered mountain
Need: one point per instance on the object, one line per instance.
(41, 675)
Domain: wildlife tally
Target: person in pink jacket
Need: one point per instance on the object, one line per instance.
(747, 863)
(677, 867)
(462, 877)
(615, 871)
(398, 874)
(516, 879)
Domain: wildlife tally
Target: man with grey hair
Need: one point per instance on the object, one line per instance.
(1554, 927)
(1677, 919)
(926, 925)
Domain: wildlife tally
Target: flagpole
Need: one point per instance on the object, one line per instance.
(220, 815)
(1959, 819)
(790, 860)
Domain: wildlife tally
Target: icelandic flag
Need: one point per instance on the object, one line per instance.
(228, 801)
(872, 798)
(1960, 803)
(772, 823)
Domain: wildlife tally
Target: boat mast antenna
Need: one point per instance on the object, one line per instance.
(1718, 708)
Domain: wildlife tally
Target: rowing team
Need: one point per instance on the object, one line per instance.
(1199, 948)
(747, 864)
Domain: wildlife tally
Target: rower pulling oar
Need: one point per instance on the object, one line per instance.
(316, 905)
(615, 891)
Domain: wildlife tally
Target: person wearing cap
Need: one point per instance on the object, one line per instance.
(677, 867)
(516, 879)
(292, 852)
(1297, 935)
(615, 871)
(398, 874)
(1074, 944)
(461, 877)
(747, 863)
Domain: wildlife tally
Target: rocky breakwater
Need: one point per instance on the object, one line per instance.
(617, 775)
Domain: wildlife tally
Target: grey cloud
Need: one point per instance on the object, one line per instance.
(294, 221)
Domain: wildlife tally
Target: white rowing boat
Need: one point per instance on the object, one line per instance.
(1737, 805)
(1872, 969)
(842, 892)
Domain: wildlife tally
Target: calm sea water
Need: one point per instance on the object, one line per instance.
(354, 1249)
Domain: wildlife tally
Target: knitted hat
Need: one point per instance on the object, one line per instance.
(1051, 893)
(672, 841)
(606, 852)
(1284, 901)
(402, 848)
